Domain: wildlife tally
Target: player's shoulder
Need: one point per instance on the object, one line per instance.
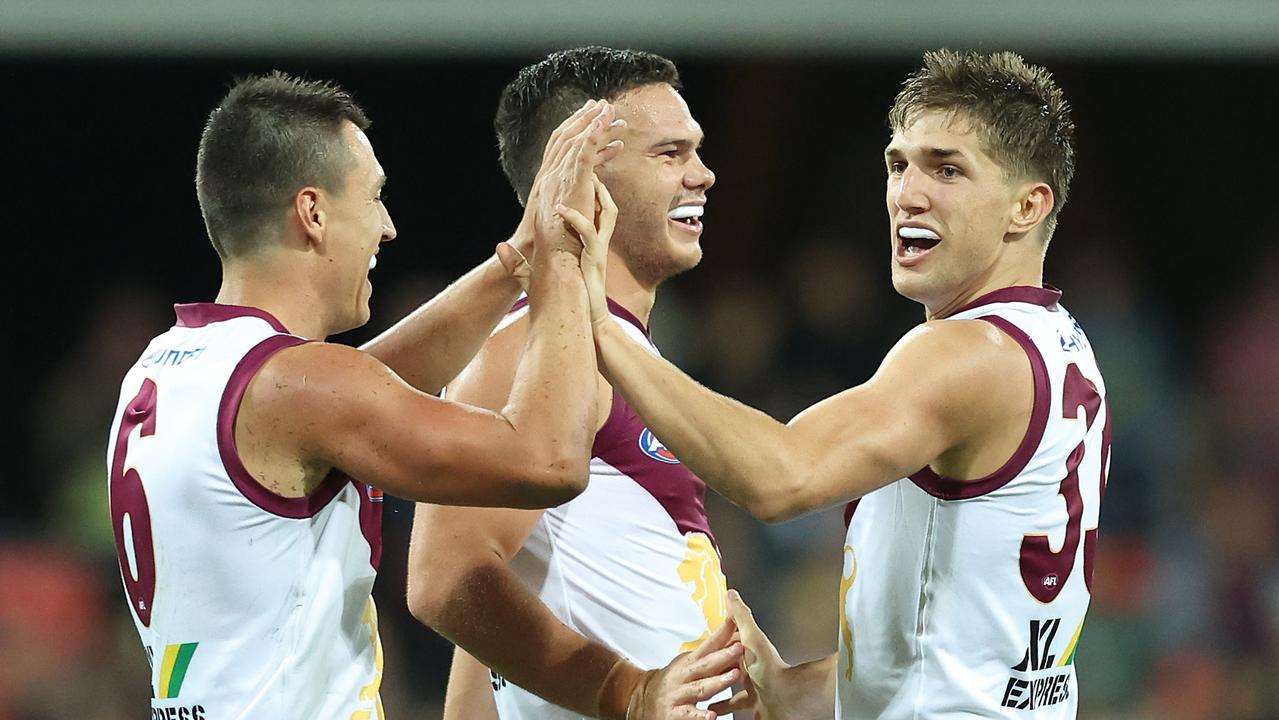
(960, 357)
(309, 372)
(959, 341)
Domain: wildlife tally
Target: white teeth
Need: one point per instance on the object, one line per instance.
(373, 262)
(686, 211)
(917, 233)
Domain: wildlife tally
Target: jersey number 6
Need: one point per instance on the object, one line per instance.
(130, 514)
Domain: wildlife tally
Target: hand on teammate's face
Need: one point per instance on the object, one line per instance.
(580, 144)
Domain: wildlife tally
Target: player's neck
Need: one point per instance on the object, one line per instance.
(622, 288)
(273, 288)
(1004, 278)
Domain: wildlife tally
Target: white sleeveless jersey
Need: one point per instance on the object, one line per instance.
(966, 599)
(250, 605)
(630, 562)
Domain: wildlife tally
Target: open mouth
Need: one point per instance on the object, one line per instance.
(373, 261)
(915, 242)
(688, 217)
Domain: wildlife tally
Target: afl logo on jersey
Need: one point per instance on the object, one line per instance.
(654, 448)
(375, 494)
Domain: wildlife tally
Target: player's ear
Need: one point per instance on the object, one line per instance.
(308, 212)
(1034, 203)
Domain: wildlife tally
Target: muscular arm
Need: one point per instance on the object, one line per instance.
(945, 389)
(318, 406)
(334, 406)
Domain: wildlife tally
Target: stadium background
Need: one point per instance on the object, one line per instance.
(1166, 253)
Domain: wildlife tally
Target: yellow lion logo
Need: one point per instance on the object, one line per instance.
(846, 631)
(710, 591)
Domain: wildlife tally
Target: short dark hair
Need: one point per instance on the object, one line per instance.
(543, 94)
(270, 136)
(1021, 115)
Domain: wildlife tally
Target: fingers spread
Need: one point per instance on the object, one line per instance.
(570, 127)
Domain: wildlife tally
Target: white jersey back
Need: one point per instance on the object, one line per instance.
(630, 562)
(250, 605)
(966, 599)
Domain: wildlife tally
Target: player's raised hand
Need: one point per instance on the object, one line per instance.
(585, 139)
(595, 239)
(674, 691)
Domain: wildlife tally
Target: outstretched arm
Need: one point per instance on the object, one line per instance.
(937, 391)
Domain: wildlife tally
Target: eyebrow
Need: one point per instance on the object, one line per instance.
(680, 143)
(932, 152)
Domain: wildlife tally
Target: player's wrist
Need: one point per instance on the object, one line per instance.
(620, 692)
(508, 278)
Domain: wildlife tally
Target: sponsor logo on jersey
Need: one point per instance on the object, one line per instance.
(375, 494)
(654, 448)
(170, 357)
(173, 668)
(1038, 681)
(1073, 340)
(190, 712)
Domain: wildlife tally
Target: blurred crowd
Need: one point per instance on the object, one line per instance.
(1184, 622)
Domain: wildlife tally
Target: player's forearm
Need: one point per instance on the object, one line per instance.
(737, 450)
(494, 617)
(431, 345)
(470, 692)
(809, 692)
(552, 400)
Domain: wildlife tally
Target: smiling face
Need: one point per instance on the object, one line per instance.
(357, 223)
(950, 211)
(659, 184)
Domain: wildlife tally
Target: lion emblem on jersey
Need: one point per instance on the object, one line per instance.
(710, 591)
(654, 448)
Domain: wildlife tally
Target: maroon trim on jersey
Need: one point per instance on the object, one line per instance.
(289, 507)
(371, 500)
(849, 510)
(951, 489)
(681, 493)
(613, 306)
(1047, 296)
(194, 315)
